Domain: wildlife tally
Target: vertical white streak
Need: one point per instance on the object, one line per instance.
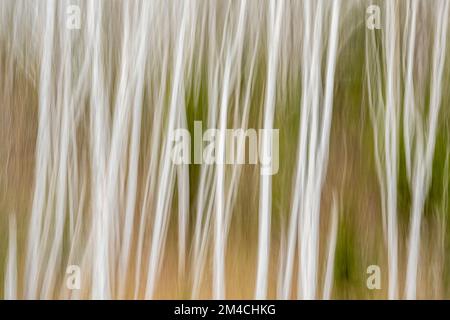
(101, 223)
(167, 171)
(391, 142)
(11, 261)
(265, 192)
(324, 145)
(328, 285)
(423, 160)
(33, 256)
(63, 134)
(136, 104)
